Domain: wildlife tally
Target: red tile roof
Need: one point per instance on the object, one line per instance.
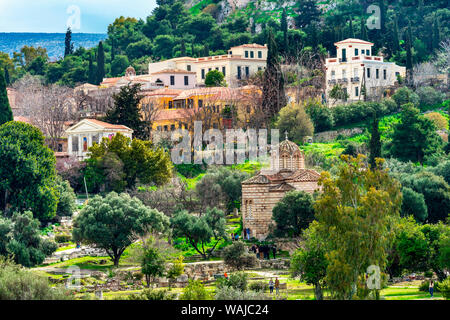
(108, 125)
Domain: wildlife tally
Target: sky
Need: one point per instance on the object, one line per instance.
(54, 16)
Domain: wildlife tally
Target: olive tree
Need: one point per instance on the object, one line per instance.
(115, 222)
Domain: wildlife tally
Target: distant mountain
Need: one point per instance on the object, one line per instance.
(53, 42)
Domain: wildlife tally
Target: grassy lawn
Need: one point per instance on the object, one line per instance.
(69, 246)
(89, 263)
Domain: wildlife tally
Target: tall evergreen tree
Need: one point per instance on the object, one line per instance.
(436, 35)
(308, 12)
(375, 142)
(274, 97)
(395, 37)
(409, 61)
(7, 78)
(183, 48)
(92, 74)
(68, 43)
(363, 30)
(351, 31)
(113, 49)
(6, 114)
(284, 29)
(126, 110)
(100, 63)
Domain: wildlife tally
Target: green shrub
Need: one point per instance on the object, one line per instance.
(195, 290)
(229, 293)
(444, 287)
(424, 286)
(154, 295)
(63, 238)
(237, 281)
(428, 96)
(258, 286)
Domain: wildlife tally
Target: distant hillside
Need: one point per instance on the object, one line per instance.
(261, 11)
(53, 42)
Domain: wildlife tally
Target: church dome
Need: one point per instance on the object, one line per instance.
(130, 71)
(289, 147)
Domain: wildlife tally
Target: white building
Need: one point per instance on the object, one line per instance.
(356, 67)
(85, 133)
(240, 63)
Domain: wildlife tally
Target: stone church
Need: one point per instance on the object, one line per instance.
(261, 193)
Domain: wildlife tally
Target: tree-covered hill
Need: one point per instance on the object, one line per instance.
(207, 27)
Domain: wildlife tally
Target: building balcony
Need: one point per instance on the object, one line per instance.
(355, 80)
(343, 80)
(332, 81)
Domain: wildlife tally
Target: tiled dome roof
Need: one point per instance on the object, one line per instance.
(287, 146)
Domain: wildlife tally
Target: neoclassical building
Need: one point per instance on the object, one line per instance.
(261, 193)
(85, 133)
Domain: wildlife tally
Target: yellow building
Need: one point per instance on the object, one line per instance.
(216, 107)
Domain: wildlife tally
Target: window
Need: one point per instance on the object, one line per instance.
(377, 73)
(172, 80)
(368, 72)
(259, 68)
(260, 54)
(203, 74)
(224, 71)
(209, 69)
(95, 138)
(166, 128)
(368, 52)
(186, 80)
(189, 67)
(252, 54)
(356, 52)
(170, 104)
(159, 128)
(215, 125)
(362, 52)
(344, 55)
(230, 52)
(172, 127)
(60, 147)
(246, 54)
(239, 72)
(247, 72)
(200, 103)
(333, 74)
(384, 74)
(356, 91)
(397, 74)
(75, 143)
(217, 68)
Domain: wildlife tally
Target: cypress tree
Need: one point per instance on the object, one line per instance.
(352, 32)
(92, 74)
(436, 36)
(375, 142)
(274, 97)
(113, 50)
(284, 29)
(100, 63)
(409, 62)
(6, 114)
(68, 43)
(7, 78)
(395, 37)
(363, 29)
(183, 48)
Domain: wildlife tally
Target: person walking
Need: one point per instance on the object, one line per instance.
(431, 288)
(277, 286)
(271, 284)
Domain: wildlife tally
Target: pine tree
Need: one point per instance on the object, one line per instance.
(68, 43)
(6, 114)
(284, 29)
(274, 97)
(375, 142)
(100, 63)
